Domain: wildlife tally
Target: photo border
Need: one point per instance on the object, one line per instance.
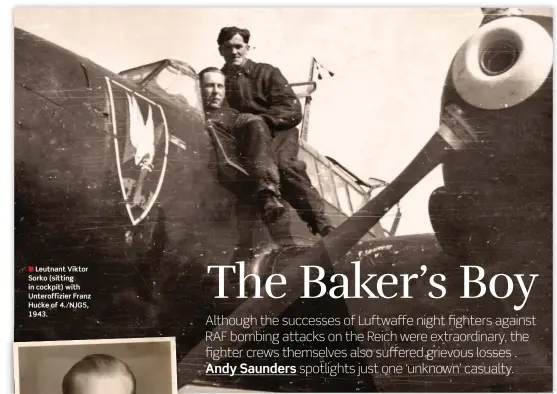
(82, 342)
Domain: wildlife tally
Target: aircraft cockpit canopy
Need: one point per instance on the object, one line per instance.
(177, 79)
(343, 191)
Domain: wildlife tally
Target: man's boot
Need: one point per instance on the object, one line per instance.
(271, 207)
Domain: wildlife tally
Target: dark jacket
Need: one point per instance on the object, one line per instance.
(261, 89)
(225, 119)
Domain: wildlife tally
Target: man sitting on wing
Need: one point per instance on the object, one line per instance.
(261, 89)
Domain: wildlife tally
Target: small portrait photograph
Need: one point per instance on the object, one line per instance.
(107, 366)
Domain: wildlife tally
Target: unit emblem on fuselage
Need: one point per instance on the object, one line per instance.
(141, 147)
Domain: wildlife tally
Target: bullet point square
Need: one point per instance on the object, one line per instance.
(30, 269)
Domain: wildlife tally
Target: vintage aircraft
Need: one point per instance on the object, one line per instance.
(119, 172)
(494, 212)
(95, 208)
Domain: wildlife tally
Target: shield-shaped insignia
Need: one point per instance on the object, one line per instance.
(141, 146)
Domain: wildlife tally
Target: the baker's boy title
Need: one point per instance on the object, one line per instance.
(385, 286)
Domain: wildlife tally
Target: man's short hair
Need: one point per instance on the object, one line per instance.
(209, 70)
(226, 33)
(99, 364)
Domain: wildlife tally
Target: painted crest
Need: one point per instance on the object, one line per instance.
(141, 146)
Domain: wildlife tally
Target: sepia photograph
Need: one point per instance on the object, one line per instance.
(116, 366)
(308, 199)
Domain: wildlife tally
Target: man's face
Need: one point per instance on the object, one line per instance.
(234, 51)
(212, 90)
(99, 384)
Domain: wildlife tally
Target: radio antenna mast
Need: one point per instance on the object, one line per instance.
(305, 120)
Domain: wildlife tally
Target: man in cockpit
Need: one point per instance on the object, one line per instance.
(261, 89)
(253, 142)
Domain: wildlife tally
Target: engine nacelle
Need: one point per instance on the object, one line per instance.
(501, 78)
(503, 64)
